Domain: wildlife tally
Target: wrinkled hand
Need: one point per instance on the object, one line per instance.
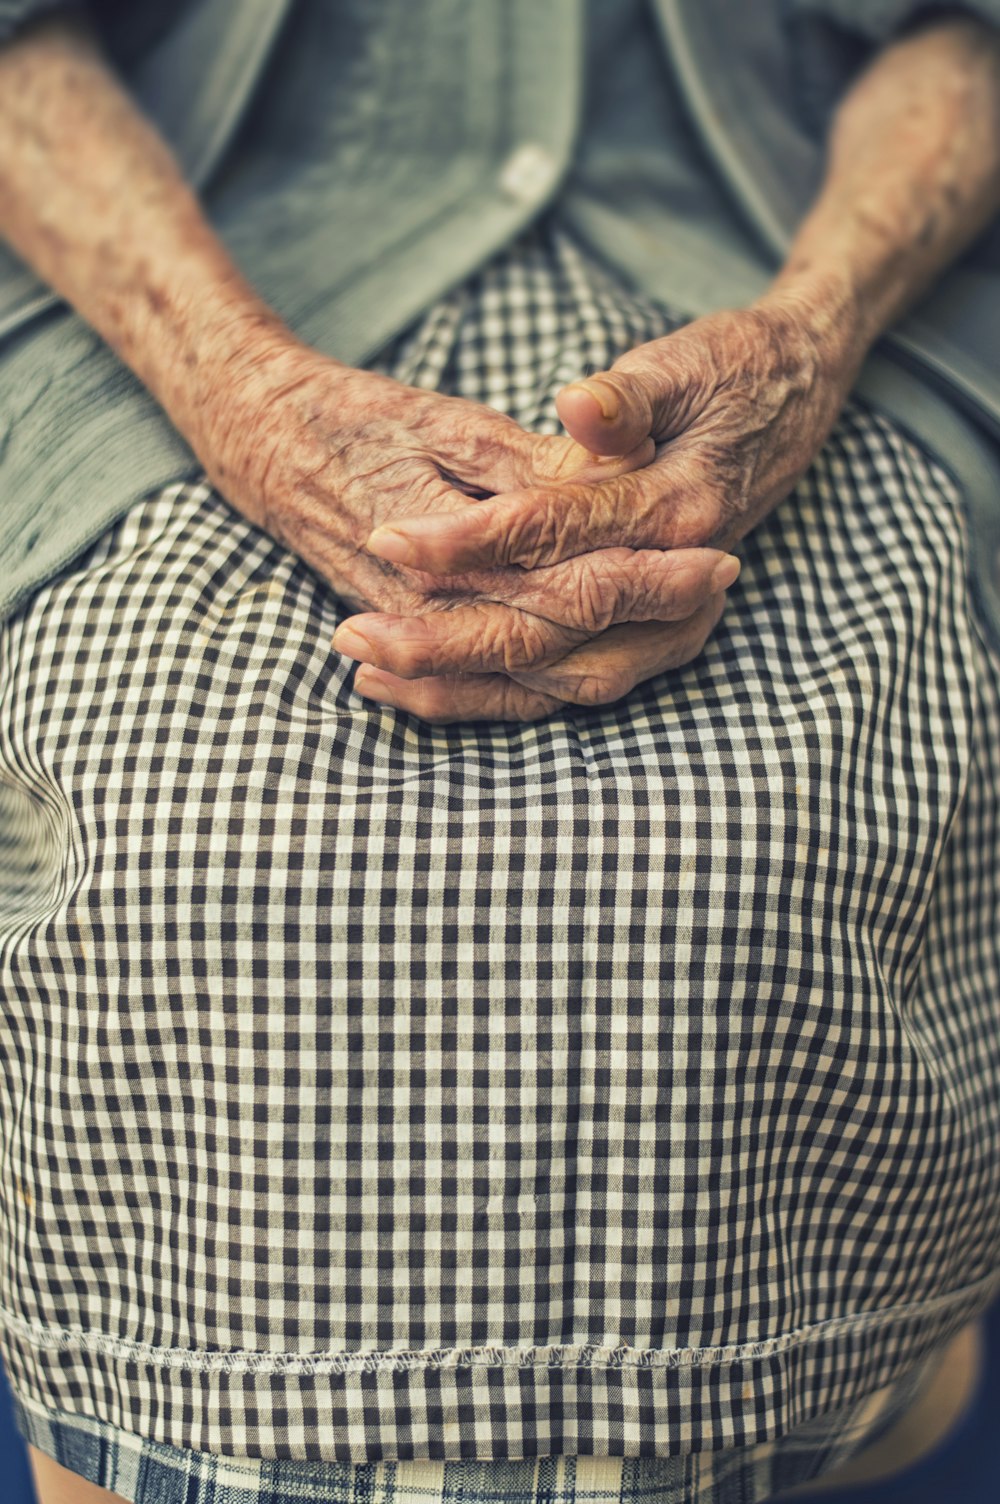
(318, 454)
(737, 405)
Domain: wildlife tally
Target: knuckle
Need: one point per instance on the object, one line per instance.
(720, 497)
(723, 484)
(412, 660)
(525, 642)
(695, 507)
(502, 638)
(547, 530)
(528, 537)
(622, 506)
(626, 494)
(592, 687)
(554, 458)
(601, 593)
(649, 513)
(696, 520)
(721, 505)
(492, 635)
(598, 688)
(662, 584)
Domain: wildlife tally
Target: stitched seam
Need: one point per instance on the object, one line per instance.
(579, 1356)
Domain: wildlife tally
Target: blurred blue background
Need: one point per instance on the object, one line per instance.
(975, 1480)
(15, 1474)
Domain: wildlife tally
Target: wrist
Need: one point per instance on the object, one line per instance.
(191, 347)
(265, 394)
(823, 307)
(217, 385)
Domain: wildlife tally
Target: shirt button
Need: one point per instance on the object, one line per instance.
(528, 172)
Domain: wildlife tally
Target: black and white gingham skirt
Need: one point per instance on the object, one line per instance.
(620, 1086)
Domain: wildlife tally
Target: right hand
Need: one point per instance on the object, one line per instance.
(318, 454)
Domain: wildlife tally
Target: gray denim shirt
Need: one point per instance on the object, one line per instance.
(359, 157)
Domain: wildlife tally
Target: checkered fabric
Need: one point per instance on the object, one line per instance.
(146, 1472)
(625, 1084)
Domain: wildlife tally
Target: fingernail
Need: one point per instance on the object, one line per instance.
(387, 543)
(373, 688)
(725, 572)
(350, 642)
(605, 396)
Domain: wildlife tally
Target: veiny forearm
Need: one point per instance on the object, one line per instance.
(913, 175)
(93, 201)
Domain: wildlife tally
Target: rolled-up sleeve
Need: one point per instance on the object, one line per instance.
(881, 20)
(17, 13)
(831, 40)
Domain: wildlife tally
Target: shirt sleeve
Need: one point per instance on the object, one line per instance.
(17, 13)
(829, 41)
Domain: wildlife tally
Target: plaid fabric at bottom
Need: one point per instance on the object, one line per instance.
(621, 1086)
(145, 1472)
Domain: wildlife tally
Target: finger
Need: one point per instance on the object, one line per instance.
(440, 701)
(482, 638)
(604, 417)
(556, 610)
(321, 531)
(659, 507)
(496, 454)
(609, 667)
(555, 464)
(641, 396)
(604, 588)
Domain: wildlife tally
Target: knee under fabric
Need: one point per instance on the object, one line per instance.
(963, 1469)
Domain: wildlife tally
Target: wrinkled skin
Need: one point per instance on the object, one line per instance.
(337, 451)
(559, 576)
(737, 405)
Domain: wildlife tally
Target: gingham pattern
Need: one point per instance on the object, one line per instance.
(146, 1472)
(623, 1084)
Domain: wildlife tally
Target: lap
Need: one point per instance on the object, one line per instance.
(386, 1025)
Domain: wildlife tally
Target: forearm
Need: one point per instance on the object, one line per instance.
(913, 175)
(93, 201)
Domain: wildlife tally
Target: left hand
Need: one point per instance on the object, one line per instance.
(738, 403)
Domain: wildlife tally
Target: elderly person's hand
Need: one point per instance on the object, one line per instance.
(737, 405)
(315, 451)
(319, 453)
(578, 581)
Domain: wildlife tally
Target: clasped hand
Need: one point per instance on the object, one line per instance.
(500, 574)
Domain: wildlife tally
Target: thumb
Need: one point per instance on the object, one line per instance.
(522, 460)
(557, 459)
(613, 411)
(506, 457)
